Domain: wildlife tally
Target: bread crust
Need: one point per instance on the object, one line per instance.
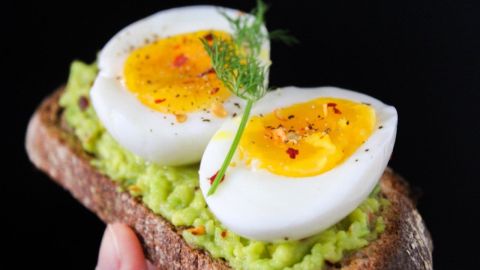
(405, 244)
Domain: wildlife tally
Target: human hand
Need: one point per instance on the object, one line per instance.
(121, 250)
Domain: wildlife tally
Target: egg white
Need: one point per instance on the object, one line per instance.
(258, 204)
(152, 135)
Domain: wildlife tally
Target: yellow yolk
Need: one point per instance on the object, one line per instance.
(174, 75)
(307, 139)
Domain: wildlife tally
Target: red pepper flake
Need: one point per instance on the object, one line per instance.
(292, 153)
(180, 60)
(224, 234)
(208, 37)
(206, 72)
(214, 91)
(83, 103)
(159, 100)
(215, 176)
(334, 107)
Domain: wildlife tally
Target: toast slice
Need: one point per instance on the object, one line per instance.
(405, 244)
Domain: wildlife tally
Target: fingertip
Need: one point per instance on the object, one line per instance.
(120, 249)
(108, 257)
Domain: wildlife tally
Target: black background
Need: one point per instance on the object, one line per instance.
(421, 56)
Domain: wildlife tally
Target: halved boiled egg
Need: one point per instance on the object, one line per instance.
(307, 158)
(156, 92)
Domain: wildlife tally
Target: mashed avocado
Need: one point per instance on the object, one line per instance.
(173, 193)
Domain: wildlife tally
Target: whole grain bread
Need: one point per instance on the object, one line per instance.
(405, 244)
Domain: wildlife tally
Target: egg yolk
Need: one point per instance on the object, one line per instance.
(307, 139)
(174, 75)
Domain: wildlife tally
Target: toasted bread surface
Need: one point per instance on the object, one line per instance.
(405, 244)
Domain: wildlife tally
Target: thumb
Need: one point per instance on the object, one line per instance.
(120, 250)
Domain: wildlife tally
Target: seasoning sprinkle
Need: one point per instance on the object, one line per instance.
(218, 110)
(334, 107)
(214, 91)
(200, 230)
(278, 115)
(292, 153)
(212, 178)
(181, 118)
(208, 37)
(83, 103)
(180, 60)
(208, 71)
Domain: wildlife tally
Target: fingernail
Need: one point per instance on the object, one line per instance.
(109, 256)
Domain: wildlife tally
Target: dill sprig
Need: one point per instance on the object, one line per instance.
(237, 64)
(283, 36)
(240, 72)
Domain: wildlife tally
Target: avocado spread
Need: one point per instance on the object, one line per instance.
(173, 193)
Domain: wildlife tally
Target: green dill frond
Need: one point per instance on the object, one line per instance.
(248, 32)
(242, 74)
(236, 61)
(237, 64)
(283, 36)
